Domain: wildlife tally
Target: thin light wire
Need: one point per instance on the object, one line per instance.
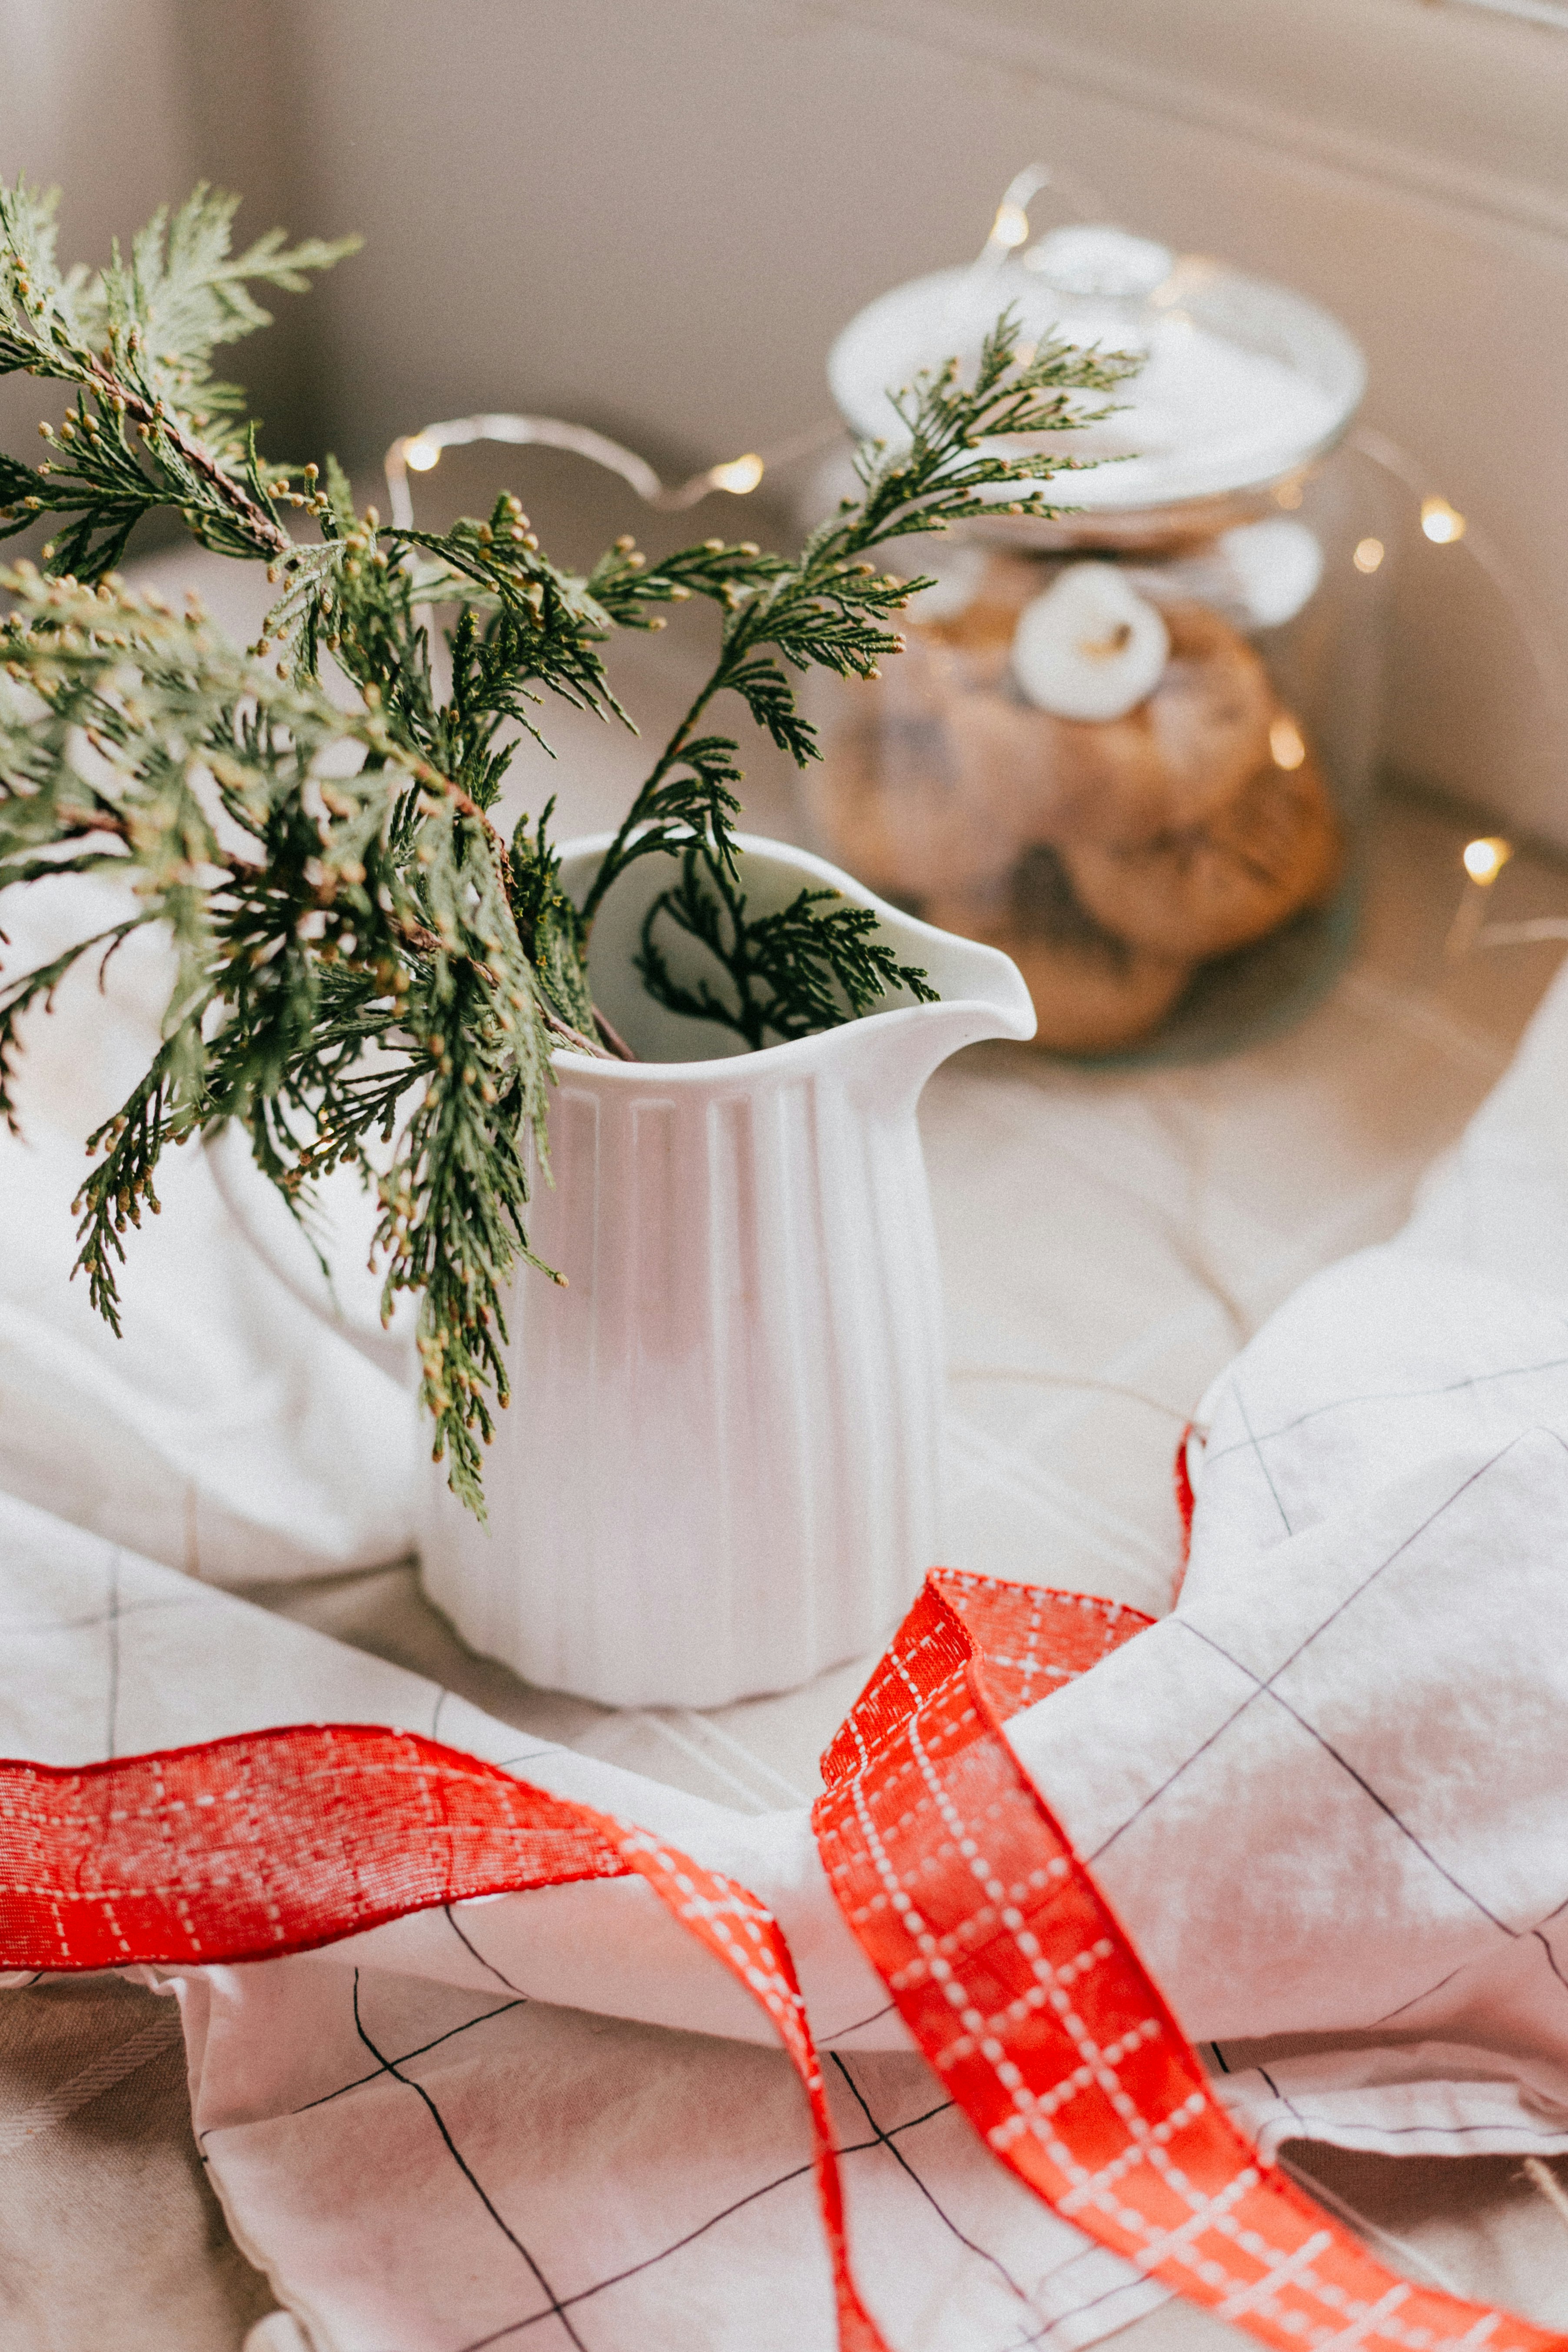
(1347, 2212)
(1544, 653)
(1467, 932)
(1542, 2177)
(1081, 199)
(745, 473)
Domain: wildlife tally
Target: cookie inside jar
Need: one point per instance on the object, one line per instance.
(1130, 735)
(1083, 762)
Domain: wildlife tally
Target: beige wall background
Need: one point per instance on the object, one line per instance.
(653, 215)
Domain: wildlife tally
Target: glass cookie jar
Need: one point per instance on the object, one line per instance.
(1130, 745)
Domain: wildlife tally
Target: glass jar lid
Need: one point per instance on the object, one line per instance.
(1241, 383)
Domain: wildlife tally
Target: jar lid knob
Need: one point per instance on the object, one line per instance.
(1088, 260)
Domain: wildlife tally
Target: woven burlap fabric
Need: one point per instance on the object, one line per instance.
(109, 2235)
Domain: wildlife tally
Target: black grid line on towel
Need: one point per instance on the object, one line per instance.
(467, 2173)
(1252, 1441)
(1264, 1683)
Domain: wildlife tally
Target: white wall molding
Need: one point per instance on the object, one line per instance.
(1256, 121)
(1530, 12)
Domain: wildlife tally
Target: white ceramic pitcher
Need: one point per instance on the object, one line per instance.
(719, 1471)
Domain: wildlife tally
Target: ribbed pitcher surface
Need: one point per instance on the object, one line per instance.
(719, 1474)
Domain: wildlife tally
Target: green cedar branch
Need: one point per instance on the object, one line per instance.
(830, 608)
(150, 427)
(351, 976)
(373, 977)
(806, 967)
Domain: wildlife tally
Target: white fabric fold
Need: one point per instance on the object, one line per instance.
(227, 1433)
(1326, 1794)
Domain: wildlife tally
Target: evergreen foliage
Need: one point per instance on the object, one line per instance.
(366, 972)
(790, 973)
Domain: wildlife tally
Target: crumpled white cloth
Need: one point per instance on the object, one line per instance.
(1324, 1795)
(227, 1433)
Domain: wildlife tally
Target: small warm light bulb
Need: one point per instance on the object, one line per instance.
(1285, 742)
(741, 475)
(1011, 226)
(421, 454)
(1368, 554)
(1289, 495)
(1441, 522)
(1485, 859)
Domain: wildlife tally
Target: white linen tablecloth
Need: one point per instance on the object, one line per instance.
(477, 2122)
(1323, 1794)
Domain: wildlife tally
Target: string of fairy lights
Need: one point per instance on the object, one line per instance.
(1441, 522)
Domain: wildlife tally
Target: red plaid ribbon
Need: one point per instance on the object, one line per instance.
(1015, 1980)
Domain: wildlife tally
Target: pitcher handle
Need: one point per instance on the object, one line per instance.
(265, 1222)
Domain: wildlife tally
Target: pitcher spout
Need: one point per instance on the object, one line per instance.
(981, 993)
(967, 973)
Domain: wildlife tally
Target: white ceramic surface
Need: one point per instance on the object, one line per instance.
(719, 1472)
